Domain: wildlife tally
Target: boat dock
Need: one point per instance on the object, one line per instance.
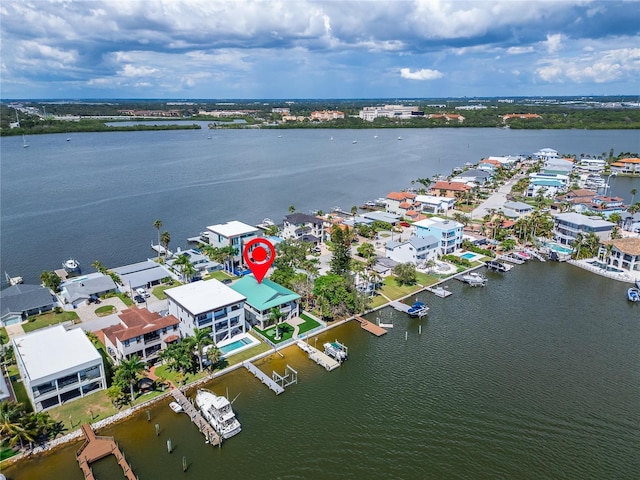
(418, 309)
(510, 259)
(441, 292)
(96, 447)
(317, 356)
(161, 250)
(370, 327)
(198, 420)
(263, 377)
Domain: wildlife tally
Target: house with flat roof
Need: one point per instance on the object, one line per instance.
(235, 234)
(210, 304)
(301, 226)
(58, 365)
(382, 217)
(624, 254)
(447, 232)
(434, 204)
(567, 226)
(476, 176)
(77, 290)
(140, 332)
(20, 301)
(262, 297)
(415, 250)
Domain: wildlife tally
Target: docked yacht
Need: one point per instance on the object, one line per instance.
(497, 266)
(336, 350)
(71, 266)
(218, 412)
(418, 309)
(474, 279)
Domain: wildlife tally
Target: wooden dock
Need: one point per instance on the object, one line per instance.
(263, 377)
(319, 357)
(370, 327)
(96, 447)
(198, 420)
(441, 292)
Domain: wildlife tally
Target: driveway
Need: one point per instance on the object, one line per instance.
(87, 312)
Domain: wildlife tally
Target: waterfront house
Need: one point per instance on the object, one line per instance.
(567, 226)
(235, 234)
(201, 263)
(19, 301)
(77, 290)
(449, 189)
(434, 204)
(601, 204)
(301, 226)
(559, 166)
(207, 304)
(385, 217)
(398, 203)
(416, 250)
(448, 233)
(626, 165)
(58, 365)
(262, 297)
(545, 154)
(476, 176)
(140, 332)
(517, 209)
(623, 253)
(489, 164)
(142, 274)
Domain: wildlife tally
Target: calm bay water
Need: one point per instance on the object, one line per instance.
(533, 377)
(96, 197)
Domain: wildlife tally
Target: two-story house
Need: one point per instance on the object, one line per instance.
(398, 203)
(210, 304)
(448, 233)
(443, 188)
(567, 226)
(140, 332)
(58, 365)
(307, 228)
(415, 250)
(626, 165)
(235, 234)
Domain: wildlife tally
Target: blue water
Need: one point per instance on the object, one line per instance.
(468, 255)
(226, 349)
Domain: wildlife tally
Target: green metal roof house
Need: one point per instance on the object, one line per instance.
(262, 297)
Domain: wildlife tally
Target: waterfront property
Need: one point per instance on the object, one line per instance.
(235, 234)
(208, 304)
(140, 332)
(72, 367)
(262, 297)
(434, 204)
(77, 290)
(626, 165)
(622, 253)
(398, 203)
(142, 274)
(416, 250)
(447, 232)
(201, 263)
(20, 301)
(301, 226)
(567, 227)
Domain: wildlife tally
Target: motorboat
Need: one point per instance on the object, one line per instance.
(474, 279)
(71, 266)
(418, 309)
(336, 350)
(633, 294)
(218, 412)
(497, 266)
(176, 407)
(13, 280)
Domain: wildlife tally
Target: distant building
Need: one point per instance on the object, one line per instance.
(58, 365)
(626, 165)
(326, 115)
(447, 117)
(208, 304)
(400, 112)
(520, 116)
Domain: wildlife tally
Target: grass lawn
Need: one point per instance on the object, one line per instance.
(394, 291)
(105, 310)
(426, 279)
(309, 324)
(286, 330)
(125, 298)
(50, 318)
(88, 409)
(378, 301)
(4, 338)
(220, 275)
(158, 291)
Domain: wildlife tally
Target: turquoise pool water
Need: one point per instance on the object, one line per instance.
(468, 255)
(559, 248)
(227, 349)
(606, 267)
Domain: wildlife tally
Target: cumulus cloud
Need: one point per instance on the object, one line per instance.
(422, 74)
(608, 66)
(553, 42)
(519, 50)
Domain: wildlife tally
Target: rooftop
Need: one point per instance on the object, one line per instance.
(138, 321)
(265, 295)
(204, 296)
(630, 245)
(233, 228)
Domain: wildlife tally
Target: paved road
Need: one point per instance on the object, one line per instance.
(496, 201)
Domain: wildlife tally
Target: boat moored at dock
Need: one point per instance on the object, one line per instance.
(217, 411)
(336, 350)
(71, 266)
(497, 266)
(474, 279)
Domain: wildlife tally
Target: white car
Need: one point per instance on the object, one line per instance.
(142, 292)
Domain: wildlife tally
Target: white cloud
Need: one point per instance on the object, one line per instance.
(519, 50)
(422, 74)
(131, 71)
(603, 67)
(554, 42)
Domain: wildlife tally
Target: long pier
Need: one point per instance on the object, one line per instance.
(370, 327)
(96, 447)
(263, 377)
(198, 420)
(319, 357)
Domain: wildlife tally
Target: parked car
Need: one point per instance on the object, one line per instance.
(227, 281)
(139, 299)
(405, 224)
(142, 292)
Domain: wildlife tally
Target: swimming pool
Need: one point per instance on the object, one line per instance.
(238, 345)
(468, 255)
(556, 247)
(606, 267)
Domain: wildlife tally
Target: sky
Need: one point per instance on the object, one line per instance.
(243, 49)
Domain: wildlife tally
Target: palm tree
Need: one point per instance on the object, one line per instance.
(354, 211)
(165, 238)
(99, 267)
(12, 424)
(128, 371)
(276, 315)
(292, 208)
(213, 355)
(201, 338)
(187, 270)
(158, 224)
(633, 194)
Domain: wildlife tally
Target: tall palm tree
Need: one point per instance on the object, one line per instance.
(158, 224)
(165, 238)
(201, 338)
(99, 267)
(276, 315)
(187, 270)
(214, 355)
(128, 371)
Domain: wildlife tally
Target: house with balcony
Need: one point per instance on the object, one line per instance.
(415, 250)
(447, 232)
(58, 365)
(630, 166)
(567, 226)
(398, 203)
(434, 204)
(601, 204)
(301, 226)
(140, 332)
(449, 189)
(623, 253)
(22, 300)
(262, 297)
(208, 304)
(235, 234)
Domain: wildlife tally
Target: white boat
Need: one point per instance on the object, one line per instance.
(336, 350)
(399, 138)
(418, 309)
(13, 280)
(24, 142)
(474, 279)
(355, 141)
(71, 266)
(175, 406)
(218, 412)
(633, 294)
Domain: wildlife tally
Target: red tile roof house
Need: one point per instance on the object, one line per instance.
(399, 202)
(449, 189)
(140, 332)
(626, 165)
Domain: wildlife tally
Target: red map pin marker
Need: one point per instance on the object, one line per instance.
(259, 255)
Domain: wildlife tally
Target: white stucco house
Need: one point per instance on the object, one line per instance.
(233, 233)
(415, 250)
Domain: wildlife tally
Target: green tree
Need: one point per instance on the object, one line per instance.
(201, 338)
(334, 297)
(13, 428)
(354, 211)
(275, 315)
(341, 250)
(99, 266)
(633, 194)
(165, 239)
(179, 356)
(158, 225)
(405, 273)
(185, 267)
(51, 280)
(213, 355)
(127, 372)
(292, 208)
(366, 250)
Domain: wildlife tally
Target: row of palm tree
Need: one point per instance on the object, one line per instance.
(19, 427)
